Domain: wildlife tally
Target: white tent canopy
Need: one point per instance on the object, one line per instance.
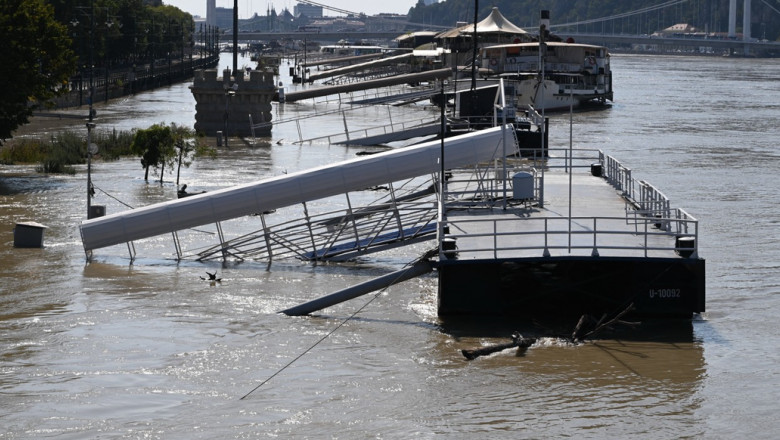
(495, 23)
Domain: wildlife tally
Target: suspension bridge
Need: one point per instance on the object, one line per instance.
(639, 26)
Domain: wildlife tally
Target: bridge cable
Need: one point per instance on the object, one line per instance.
(623, 14)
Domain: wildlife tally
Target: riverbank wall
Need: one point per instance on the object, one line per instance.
(110, 84)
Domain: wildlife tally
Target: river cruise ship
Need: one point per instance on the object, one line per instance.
(574, 75)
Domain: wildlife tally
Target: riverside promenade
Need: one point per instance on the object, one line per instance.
(127, 80)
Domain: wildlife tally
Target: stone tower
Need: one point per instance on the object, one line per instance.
(229, 103)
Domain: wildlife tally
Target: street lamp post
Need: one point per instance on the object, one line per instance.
(229, 93)
(109, 24)
(91, 61)
(152, 36)
(91, 149)
(75, 24)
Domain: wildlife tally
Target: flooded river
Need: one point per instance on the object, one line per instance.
(118, 350)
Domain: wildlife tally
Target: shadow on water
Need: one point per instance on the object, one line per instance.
(655, 330)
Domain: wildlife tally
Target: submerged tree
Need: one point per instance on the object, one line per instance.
(171, 145)
(37, 60)
(188, 145)
(155, 145)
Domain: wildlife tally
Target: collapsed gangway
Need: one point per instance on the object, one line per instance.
(341, 60)
(361, 66)
(301, 187)
(314, 92)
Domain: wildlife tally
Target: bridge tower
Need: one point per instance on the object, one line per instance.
(732, 18)
(745, 19)
(211, 12)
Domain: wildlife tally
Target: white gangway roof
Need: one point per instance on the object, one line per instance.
(289, 189)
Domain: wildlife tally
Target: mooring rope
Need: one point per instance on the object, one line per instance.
(101, 190)
(341, 324)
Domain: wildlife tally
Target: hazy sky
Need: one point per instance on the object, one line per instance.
(247, 8)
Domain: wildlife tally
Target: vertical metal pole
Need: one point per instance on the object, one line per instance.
(443, 132)
(543, 23)
(266, 236)
(311, 232)
(235, 35)
(91, 59)
(390, 115)
(105, 63)
(503, 138)
(352, 220)
(474, 55)
(225, 131)
(89, 167)
(176, 245)
(346, 129)
(569, 161)
(442, 186)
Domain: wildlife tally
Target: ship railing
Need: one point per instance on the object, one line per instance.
(648, 213)
(618, 175)
(486, 185)
(653, 203)
(642, 198)
(571, 236)
(551, 68)
(511, 65)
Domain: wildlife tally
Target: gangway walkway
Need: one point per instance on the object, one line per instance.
(406, 214)
(382, 169)
(383, 134)
(313, 92)
(377, 135)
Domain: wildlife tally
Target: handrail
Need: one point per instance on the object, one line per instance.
(598, 239)
(648, 211)
(405, 213)
(370, 131)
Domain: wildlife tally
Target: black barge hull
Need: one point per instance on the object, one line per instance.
(572, 286)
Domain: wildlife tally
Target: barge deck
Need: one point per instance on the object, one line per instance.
(572, 240)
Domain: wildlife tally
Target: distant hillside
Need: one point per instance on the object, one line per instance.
(630, 16)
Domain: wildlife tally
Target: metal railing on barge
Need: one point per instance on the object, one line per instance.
(656, 228)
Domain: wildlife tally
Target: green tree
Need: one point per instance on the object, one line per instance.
(156, 146)
(37, 60)
(188, 145)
